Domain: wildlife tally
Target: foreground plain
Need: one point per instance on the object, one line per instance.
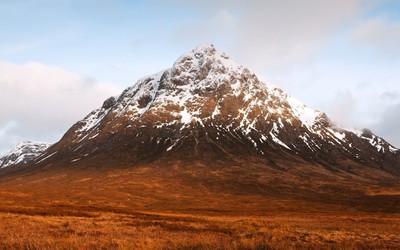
(86, 228)
(195, 207)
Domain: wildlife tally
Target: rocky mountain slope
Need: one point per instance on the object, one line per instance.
(207, 107)
(24, 152)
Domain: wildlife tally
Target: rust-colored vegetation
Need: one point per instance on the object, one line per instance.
(139, 230)
(191, 208)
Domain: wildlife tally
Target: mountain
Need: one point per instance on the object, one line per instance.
(23, 153)
(209, 135)
(207, 107)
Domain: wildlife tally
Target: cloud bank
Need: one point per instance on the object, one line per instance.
(388, 124)
(40, 102)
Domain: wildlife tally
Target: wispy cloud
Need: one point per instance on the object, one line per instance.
(379, 34)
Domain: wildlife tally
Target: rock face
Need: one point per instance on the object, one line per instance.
(207, 107)
(24, 152)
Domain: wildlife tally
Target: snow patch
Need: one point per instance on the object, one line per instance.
(276, 140)
(172, 146)
(47, 157)
(305, 114)
(186, 116)
(337, 134)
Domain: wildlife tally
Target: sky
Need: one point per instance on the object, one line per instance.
(61, 59)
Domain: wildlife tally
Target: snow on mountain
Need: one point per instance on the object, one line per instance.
(205, 98)
(24, 152)
(192, 75)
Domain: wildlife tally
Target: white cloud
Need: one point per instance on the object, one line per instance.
(390, 96)
(343, 108)
(40, 102)
(379, 34)
(215, 25)
(368, 105)
(278, 33)
(271, 34)
(388, 124)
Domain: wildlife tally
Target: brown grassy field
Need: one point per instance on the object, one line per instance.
(51, 229)
(148, 208)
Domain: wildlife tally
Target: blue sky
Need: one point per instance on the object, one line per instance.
(61, 59)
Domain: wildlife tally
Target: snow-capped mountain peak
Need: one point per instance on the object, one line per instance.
(24, 152)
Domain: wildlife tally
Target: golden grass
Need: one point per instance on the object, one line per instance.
(193, 208)
(138, 230)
